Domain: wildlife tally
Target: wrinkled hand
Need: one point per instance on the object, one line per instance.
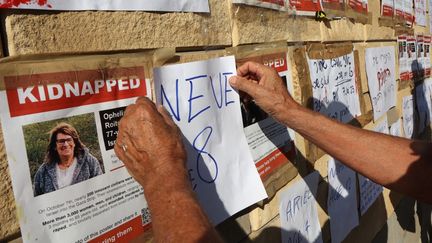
(265, 86)
(149, 143)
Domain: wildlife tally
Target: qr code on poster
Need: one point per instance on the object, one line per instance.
(145, 216)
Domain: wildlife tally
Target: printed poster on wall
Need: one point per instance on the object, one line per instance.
(360, 6)
(298, 211)
(399, 8)
(396, 128)
(342, 200)
(423, 94)
(305, 7)
(408, 115)
(430, 16)
(272, 4)
(120, 5)
(333, 4)
(271, 143)
(380, 70)
(59, 130)
(420, 12)
(404, 70)
(387, 8)
(408, 11)
(334, 87)
(369, 190)
(427, 39)
(412, 55)
(207, 110)
(420, 69)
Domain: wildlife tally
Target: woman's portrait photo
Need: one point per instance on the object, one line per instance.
(62, 153)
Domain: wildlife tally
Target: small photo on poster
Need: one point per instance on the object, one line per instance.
(62, 152)
(251, 112)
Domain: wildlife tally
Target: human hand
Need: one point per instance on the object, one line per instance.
(149, 144)
(265, 86)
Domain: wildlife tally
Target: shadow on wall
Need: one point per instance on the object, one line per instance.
(409, 208)
(232, 231)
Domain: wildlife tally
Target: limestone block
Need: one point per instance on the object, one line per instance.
(374, 31)
(8, 218)
(342, 30)
(271, 232)
(199, 55)
(107, 31)
(256, 25)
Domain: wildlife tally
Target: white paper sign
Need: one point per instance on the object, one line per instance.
(298, 211)
(207, 110)
(380, 70)
(342, 200)
(430, 16)
(403, 57)
(420, 12)
(424, 104)
(387, 8)
(408, 115)
(334, 89)
(369, 190)
(130, 5)
(395, 128)
(272, 4)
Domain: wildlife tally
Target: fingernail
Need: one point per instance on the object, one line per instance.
(233, 80)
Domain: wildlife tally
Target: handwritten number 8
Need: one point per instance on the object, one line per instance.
(201, 153)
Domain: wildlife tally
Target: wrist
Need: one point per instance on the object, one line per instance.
(166, 178)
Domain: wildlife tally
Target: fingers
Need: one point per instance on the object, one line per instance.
(166, 116)
(245, 85)
(127, 152)
(251, 68)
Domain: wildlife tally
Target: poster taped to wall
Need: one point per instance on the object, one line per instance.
(408, 11)
(120, 5)
(305, 7)
(335, 93)
(360, 6)
(399, 8)
(341, 200)
(411, 56)
(271, 143)
(272, 4)
(380, 70)
(404, 70)
(338, 5)
(71, 109)
(369, 190)
(387, 8)
(298, 211)
(420, 12)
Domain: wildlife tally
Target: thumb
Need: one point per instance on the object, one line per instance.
(245, 85)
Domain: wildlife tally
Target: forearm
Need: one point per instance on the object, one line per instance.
(397, 163)
(176, 213)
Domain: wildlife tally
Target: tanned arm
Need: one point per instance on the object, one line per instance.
(150, 145)
(399, 164)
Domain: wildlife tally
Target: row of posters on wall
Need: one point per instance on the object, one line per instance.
(108, 203)
(308, 7)
(131, 5)
(409, 10)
